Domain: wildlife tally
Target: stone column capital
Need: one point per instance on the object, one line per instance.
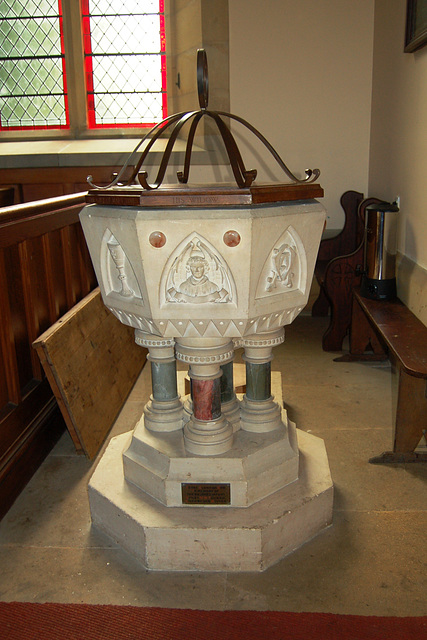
(215, 354)
(258, 348)
(160, 349)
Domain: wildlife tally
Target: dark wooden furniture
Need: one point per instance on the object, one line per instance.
(7, 196)
(45, 269)
(31, 184)
(342, 274)
(342, 244)
(389, 328)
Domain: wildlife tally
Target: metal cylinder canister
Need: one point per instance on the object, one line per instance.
(379, 273)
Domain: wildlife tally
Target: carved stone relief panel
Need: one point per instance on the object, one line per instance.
(196, 273)
(285, 267)
(118, 274)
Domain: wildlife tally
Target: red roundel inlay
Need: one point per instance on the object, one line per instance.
(231, 238)
(157, 239)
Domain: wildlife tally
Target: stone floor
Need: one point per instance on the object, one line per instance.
(370, 561)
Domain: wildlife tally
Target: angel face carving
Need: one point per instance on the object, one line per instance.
(206, 278)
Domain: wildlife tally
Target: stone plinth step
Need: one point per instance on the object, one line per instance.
(213, 538)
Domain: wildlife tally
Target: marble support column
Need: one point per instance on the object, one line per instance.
(259, 412)
(208, 432)
(164, 410)
(230, 405)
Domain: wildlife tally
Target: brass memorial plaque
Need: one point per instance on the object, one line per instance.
(204, 493)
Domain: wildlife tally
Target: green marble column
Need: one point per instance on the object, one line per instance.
(258, 381)
(164, 411)
(163, 377)
(227, 384)
(259, 412)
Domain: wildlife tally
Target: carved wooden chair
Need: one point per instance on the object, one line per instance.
(341, 275)
(344, 243)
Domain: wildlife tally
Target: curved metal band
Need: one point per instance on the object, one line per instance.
(156, 131)
(202, 78)
(243, 177)
(311, 174)
(184, 175)
(142, 177)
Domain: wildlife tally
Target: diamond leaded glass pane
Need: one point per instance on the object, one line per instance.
(32, 65)
(125, 62)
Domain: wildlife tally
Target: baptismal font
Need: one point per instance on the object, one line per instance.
(216, 480)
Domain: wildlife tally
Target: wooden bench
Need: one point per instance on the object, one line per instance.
(346, 241)
(341, 275)
(389, 329)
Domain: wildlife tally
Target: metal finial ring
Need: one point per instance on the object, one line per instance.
(202, 78)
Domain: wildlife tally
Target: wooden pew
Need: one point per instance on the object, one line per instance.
(389, 329)
(342, 244)
(342, 274)
(45, 269)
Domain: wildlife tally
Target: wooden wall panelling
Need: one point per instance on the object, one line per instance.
(40, 191)
(20, 420)
(77, 264)
(28, 220)
(46, 182)
(32, 297)
(87, 273)
(49, 268)
(35, 294)
(5, 406)
(70, 292)
(9, 364)
(39, 423)
(18, 322)
(7, 196)
(58, 272)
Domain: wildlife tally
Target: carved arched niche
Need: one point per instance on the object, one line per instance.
(196, 273)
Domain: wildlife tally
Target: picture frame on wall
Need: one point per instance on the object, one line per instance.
(416, 25)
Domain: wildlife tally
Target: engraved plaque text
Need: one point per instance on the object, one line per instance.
(205, 493)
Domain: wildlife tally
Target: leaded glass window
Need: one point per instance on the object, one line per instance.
(125, 62)
(32, 65)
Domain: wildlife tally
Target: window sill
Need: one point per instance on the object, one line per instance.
(85, 153)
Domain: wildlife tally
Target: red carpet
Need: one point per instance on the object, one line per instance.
(28, 621)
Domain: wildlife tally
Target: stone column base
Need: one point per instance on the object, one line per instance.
(208, 438)
(260, 416)
(257, 465)
(231, 412)
(164, 416)
(212, 538)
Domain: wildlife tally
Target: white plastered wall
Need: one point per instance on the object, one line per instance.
(301, 73)
(398, 152)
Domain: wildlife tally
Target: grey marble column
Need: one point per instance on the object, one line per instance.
(230, 405)
(164, 411)
(259, 411)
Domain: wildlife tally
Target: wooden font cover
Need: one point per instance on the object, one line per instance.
(91, 361)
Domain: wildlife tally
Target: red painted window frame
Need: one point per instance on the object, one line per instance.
(89, 79)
